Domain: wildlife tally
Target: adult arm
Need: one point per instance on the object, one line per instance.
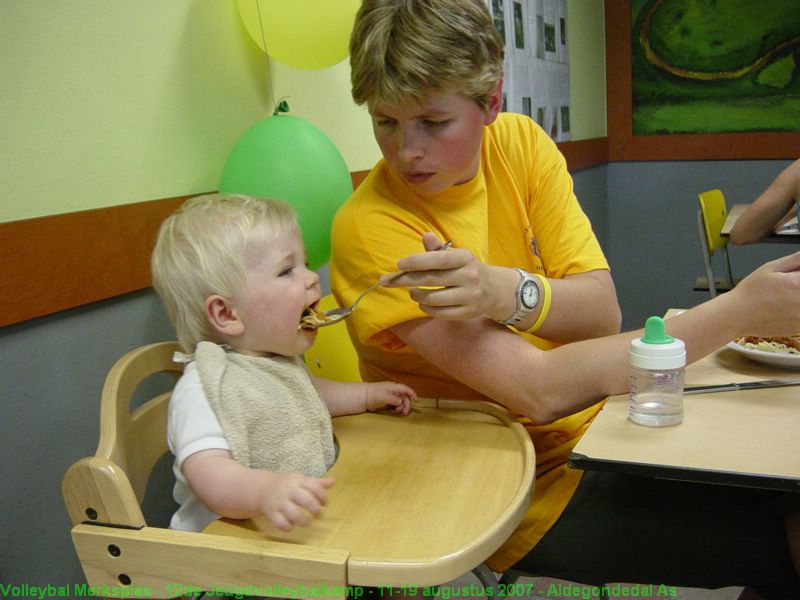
(771, 208)
(548, 385)
(582, 306)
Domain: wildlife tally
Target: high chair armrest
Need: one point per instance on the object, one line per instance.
(96, 489)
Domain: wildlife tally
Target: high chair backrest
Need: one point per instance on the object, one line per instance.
(109, 486)
(714, 211)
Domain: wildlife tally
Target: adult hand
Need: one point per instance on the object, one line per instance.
(769, 298)
(455, 285)
(773, 207)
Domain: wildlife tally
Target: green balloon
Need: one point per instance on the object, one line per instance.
(290, 159)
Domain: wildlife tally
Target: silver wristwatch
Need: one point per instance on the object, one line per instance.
(527, 298)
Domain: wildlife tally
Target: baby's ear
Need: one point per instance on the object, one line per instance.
(223, 316)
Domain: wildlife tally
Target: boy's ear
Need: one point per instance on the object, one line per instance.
(494, 103)
(223, 316)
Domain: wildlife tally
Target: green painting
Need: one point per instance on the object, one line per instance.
(715, 66)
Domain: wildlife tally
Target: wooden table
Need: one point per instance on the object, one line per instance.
(773, 238)
(749, 438)
(418, 500)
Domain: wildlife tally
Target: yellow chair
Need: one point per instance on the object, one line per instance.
(710, 219)
(332, 356)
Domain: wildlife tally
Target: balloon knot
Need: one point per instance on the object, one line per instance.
(283, 107)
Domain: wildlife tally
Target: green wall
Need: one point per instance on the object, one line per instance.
(116, 101)
(587, 68)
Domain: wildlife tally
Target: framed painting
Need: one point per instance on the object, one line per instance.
(703, 79)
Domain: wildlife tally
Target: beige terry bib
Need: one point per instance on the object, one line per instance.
(270, 411)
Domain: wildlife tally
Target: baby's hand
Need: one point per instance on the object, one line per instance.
(388, 393)
(290, 499)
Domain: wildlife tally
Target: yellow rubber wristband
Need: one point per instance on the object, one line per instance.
(547, 297)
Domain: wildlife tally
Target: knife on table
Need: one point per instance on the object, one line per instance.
(735, 387)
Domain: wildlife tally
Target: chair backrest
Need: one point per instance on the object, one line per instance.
(109, 486)
(714, 211)
(332, 356)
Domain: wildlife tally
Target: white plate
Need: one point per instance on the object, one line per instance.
(789, 361)
(791, 227)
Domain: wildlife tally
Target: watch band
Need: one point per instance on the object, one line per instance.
(544, 299)
(522, 311)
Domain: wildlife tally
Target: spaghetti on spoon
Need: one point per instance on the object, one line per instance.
(314, 319)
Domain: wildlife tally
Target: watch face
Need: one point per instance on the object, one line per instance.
(529, 294)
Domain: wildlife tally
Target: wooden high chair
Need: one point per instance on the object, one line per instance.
(418, 500)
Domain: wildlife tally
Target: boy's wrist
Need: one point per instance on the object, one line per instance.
(530, 299)
(505, 286)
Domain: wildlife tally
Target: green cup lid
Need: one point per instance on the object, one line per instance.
(655, 332)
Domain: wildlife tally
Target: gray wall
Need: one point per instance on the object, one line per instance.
(653, 243)
(52, 369)
(51, 373)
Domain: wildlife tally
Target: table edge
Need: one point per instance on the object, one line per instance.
(583, 462)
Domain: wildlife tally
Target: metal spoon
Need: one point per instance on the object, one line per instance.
(335, 315)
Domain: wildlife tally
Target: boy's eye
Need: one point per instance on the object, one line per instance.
(286, 271)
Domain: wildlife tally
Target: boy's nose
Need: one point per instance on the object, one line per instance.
(408, 145)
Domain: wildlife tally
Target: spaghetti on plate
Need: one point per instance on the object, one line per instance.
(789, 344)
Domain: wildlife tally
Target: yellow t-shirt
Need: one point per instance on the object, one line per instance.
(518, 211)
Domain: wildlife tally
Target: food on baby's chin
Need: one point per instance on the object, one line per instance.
(312, 319)
(788, 344)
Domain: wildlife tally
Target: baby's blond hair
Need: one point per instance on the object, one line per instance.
(200, 251)
(402, 50)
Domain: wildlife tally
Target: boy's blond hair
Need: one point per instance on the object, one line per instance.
(402, 50)
(200, 251)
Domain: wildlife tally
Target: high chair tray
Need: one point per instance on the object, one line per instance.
(420, 499)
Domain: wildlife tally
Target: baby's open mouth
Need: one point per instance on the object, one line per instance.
(312, 318)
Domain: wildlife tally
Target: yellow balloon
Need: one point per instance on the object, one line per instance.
(306, 34)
